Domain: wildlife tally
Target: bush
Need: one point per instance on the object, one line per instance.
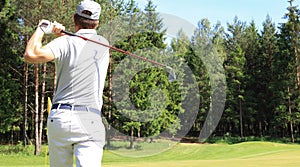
(19, 149)
(228, 139)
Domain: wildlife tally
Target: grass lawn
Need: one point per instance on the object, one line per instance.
(248, 154)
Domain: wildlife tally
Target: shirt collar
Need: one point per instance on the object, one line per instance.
(86, 31)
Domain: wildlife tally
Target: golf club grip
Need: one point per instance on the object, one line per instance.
(68, 33)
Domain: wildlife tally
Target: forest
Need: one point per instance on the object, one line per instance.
(251, 75)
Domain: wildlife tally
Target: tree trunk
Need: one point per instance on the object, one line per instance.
(241, 119)
(11, 138)
(241, 115)
(260, 129)
(24, 126)
(132, 138)
(36, 115)
(290, 120)
(297, 55)
(110, 102)
(41, 120)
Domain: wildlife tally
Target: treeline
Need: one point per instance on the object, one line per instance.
(261, 67)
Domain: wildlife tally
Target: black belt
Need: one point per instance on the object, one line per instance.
(75, 107)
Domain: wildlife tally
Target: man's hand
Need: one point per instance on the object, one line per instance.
(57, 28)
(48, 27)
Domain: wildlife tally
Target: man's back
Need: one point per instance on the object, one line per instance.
(81, 69)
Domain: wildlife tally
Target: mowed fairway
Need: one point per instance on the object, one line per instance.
(249, 154)
(286, 159)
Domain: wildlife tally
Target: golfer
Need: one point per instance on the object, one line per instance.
(74, 124)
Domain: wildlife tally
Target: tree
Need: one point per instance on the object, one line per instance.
(181, 44)
(152, 21)
(266, 78)
(144, 106)
(11, 89)
(235, 71)
(205, 57)
(288, 71)
(254, 85)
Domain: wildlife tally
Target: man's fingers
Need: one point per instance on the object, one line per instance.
(46, 26)
(57, 28)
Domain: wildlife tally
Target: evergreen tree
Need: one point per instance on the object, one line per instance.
(152, 21)
(235, 72)
(206, 62)
(10, 68)
(288, 72)
(140, 105)
(265, 78)
(254, 85)
(181, 44)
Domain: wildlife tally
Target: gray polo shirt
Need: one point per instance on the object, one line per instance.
(81, 68)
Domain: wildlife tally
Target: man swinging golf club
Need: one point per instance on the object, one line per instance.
(74, 125)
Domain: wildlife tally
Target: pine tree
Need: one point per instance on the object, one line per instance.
(10, 69)
(253, 82)
(288, 72)
(143, 103)
(235, 72)
(206, 61)
(181, 44)
(266, 77)
(152, 21)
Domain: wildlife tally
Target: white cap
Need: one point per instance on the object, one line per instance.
(88, 5)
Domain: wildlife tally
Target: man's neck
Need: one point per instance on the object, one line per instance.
(77, 28)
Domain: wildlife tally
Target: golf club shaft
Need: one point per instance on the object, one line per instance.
(115, 49)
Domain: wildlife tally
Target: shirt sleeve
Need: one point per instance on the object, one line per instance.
(59, 47)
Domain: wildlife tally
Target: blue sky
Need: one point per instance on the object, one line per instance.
(223, 10)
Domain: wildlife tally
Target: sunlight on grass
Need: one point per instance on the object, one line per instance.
(141, 149)
(248, 154)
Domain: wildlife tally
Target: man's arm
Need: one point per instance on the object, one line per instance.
(37, 53)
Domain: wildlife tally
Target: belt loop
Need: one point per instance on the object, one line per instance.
(58, 106)
(72, 108)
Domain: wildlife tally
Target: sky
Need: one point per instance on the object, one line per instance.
(223, 11)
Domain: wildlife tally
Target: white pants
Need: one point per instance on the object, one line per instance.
(79, 133)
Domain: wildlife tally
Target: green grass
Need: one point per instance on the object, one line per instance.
(142, 149)
(248, 154)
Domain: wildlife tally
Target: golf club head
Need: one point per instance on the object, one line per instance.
(172, 75)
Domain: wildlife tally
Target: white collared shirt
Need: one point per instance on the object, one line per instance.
(81, 68)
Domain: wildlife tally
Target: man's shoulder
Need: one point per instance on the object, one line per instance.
(58, 42)
(102, 39)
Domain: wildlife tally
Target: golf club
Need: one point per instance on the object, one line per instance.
(171, 77)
